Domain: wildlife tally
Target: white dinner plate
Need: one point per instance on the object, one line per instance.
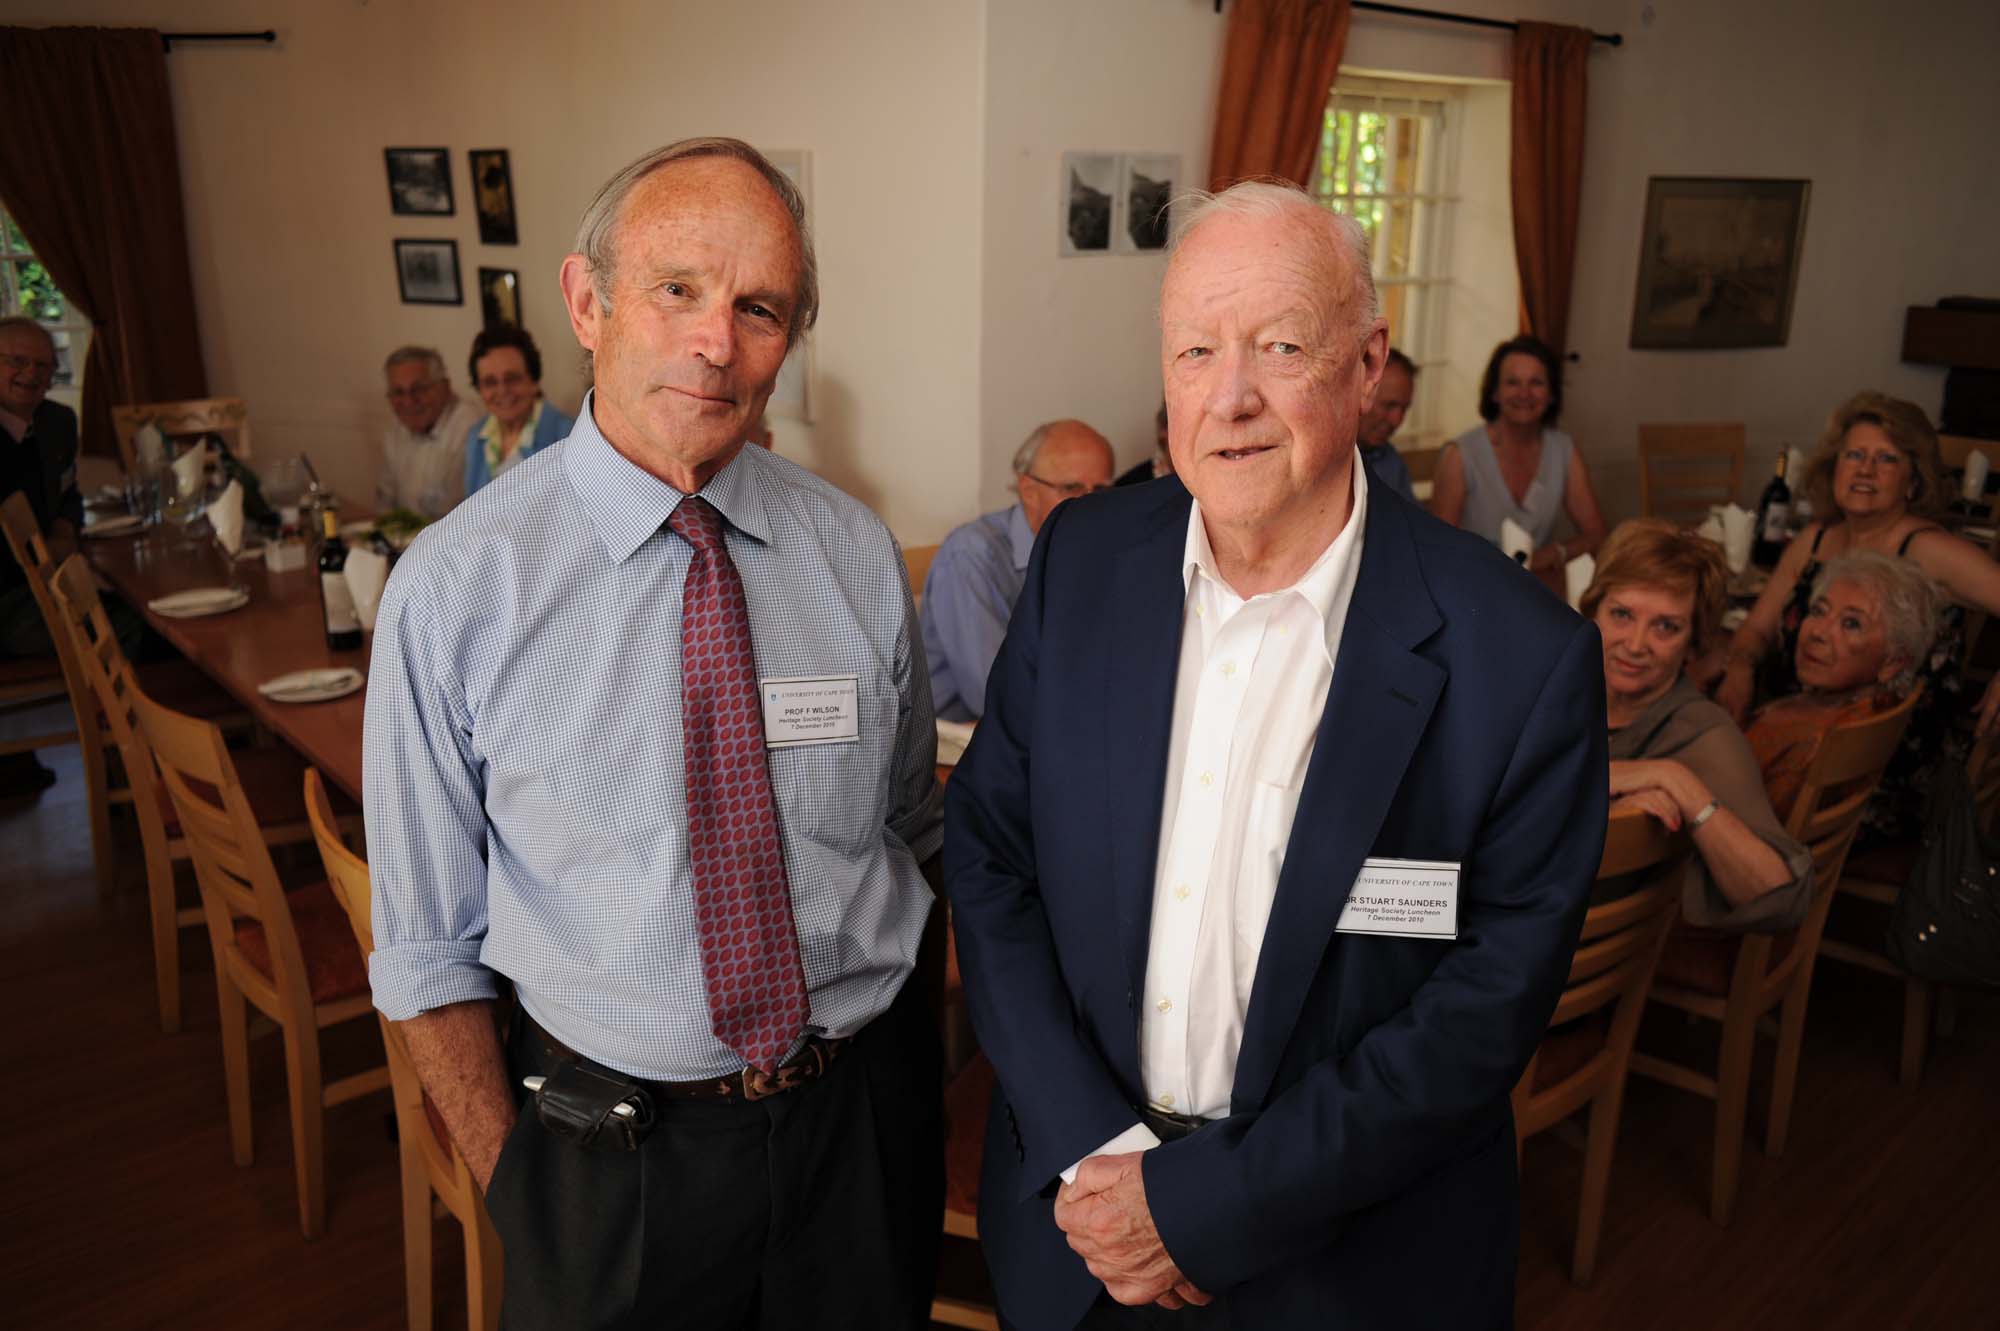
(313, 685)
(122, 525)
(199, 601)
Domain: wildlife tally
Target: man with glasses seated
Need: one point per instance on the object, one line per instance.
(978, 571)
(423, 452)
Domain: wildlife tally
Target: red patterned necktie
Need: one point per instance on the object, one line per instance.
(742, 903)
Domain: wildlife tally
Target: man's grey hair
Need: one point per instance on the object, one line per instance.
(1910, 601)
(1275, 198)
(595, 238)
(23, 321)
(414, 355)
(1024, 456)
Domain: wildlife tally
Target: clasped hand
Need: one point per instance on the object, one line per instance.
(1105, 1217)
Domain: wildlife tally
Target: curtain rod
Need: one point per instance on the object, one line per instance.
(167, 39)
(1440, 16)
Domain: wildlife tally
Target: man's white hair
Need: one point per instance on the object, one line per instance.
(1274, 198)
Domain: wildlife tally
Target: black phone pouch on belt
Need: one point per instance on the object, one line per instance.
(595, 1108)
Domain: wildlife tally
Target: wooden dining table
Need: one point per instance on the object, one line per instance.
(276, 632)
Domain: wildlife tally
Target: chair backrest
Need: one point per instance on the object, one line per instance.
(231, 860)
(347, 873)
(1423, 463)
(1685, 469)
(917, 560)
(31, 551)
(1954, 449)
(226, 416)
(1620, 940)
(86, 630)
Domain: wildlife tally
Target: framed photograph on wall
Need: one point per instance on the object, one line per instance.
(499, 297)
(1718, 262)
(1089, 198)
(1146, 186)
(419, 181)
(493, 196)
(427, 272)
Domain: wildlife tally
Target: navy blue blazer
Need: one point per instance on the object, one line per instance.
(1365, 1174)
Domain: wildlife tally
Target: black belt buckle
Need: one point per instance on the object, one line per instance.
(593, 1107)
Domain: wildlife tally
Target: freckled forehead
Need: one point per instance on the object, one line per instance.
(1245, 269)
(712, 208)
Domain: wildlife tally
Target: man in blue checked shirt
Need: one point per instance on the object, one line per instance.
(650, 735)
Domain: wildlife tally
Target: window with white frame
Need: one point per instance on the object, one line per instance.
(1393, 155)
(26, 288)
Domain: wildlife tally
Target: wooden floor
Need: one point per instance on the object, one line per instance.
(120, 1207)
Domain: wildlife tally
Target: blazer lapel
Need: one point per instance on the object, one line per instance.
(1142, 662)
(1377, 709)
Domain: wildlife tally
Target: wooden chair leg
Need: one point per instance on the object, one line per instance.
(1785, 1072)
(1597, 1156)
(1732, 1098)
(1917, 995)
(1947, 1013)
(417, 1228)
(483, 1273)
(308, 1117)
(166, 939)
(97, 793)
(235, 1016)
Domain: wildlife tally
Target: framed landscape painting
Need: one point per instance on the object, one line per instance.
(427, 272)
(419, 181)
(1718, 262)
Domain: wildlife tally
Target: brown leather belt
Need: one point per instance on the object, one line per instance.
(809, 1064)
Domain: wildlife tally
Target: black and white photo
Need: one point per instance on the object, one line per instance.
(419, 181)
(427, 272)
(1146, 185)
(1089, 192)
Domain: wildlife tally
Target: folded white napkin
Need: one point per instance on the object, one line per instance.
(952, 737)
(1515, 542)
(119, 525)
(187, 471)
(1977, 464)
(308, 685)
(1577, 576)
(225, 514)
(1710, 529)
(198, 601)
(366, 572)
(1739, 528)
(149, 447)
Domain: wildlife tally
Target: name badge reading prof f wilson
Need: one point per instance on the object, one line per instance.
(1403, 899)
(820, 709)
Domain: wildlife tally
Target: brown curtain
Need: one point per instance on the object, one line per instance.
(1277, 70)
(1549, 96)
(91, 175)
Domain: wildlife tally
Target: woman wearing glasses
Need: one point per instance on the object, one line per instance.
(507, 372)
(1876, 479)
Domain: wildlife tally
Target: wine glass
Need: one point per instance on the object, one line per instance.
(184, 487)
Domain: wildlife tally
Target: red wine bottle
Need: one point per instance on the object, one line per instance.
(1774, 514)
(336, 602)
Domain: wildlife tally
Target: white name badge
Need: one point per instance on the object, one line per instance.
(820, 709)
(1403, 899)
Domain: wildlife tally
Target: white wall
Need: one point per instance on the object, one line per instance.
(1076, 337)
(290, 228)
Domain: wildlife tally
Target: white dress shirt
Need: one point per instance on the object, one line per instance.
(426, 471)
(1252, 687)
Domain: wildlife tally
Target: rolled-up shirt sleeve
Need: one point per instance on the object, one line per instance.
(916, 805)
(424, 797)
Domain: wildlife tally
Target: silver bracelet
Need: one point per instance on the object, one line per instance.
(1708, 811)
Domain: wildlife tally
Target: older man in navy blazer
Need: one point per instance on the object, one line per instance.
(1271, 851)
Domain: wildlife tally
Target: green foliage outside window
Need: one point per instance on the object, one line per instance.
(35, 293)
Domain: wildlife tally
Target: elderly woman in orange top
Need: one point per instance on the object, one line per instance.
(1657, 602)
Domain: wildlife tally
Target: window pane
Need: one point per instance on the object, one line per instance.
(15, 240)
(35, 292)
(66, 368)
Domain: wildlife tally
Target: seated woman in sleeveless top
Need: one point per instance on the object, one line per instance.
(1518, 465)
(1876, 480)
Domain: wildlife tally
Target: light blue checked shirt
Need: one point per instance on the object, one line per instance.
(969, 596)
(525, 802)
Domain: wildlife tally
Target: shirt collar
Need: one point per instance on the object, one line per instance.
(627, 504)
(1021, 538)
(1327, 586)
(489, 429)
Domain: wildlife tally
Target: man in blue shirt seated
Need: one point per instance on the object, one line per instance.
(976, 576)
(649, 734)
(1380, 421)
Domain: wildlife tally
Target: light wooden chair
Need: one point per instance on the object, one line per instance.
(225, 416)
(431, 1164)
(1954, 449)
(292, 955)
(44, 679)
(1423, 464)
(1736, 979)
(917, 562)
(966, 1098)
(114, 685)
(1685, 469)
(1878, 877)
(1582, 1060)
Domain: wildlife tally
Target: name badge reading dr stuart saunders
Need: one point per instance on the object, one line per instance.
(820, 709)
(1403, 899)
